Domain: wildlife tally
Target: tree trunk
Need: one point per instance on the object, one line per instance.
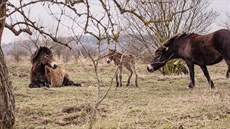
(7, 102)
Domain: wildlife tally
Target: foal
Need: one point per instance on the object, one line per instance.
(123, 60)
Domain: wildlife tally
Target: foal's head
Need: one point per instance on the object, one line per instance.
(110, 56)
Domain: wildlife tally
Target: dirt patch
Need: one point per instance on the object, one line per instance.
(79, 114)
(20, 74)
(84, 107)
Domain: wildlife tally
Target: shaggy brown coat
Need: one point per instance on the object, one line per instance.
(58, 77)
(55, 76)
(42, 57)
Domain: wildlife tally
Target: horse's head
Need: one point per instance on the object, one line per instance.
(110, 55)
(44, 56)
(169, 50)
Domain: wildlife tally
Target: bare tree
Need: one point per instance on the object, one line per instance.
(7, 102)
(225, 23)
(176, 16)
(17, 52)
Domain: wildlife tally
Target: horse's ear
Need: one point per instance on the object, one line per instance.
(111, 50)
(53, 46)
(166, 48)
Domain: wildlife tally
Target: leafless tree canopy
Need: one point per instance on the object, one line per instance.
(225, 23)
(174, 16)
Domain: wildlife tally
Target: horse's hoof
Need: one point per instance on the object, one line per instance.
(48, 86)
(227, 75)
(78, 85)
(190, 86)
(30, 86)
(212, 85)
(33, 86)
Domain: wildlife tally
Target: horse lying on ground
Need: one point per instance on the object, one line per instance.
(58, 77)
(196, 49)
(41, 58)
(123, 60)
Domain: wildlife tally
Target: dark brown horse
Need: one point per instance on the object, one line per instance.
(196, 49)
(40, 58)
(123, 60)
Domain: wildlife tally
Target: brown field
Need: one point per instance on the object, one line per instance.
(161, 102)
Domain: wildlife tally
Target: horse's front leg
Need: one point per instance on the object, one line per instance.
(191, 73)
(205, 71)
(44, 83)
(130, 76)
(34, 85)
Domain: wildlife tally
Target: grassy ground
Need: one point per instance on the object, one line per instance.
(160, 102)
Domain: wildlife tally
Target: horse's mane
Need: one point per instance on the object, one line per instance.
(35, 56)
(177, 36)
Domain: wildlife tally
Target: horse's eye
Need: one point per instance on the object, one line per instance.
(46, 56)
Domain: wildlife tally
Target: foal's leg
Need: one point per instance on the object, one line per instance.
(191, 72)
(136, 75)
(120, 75)
(130, 76)
(117, 81)
(205, 71)
(135, 72)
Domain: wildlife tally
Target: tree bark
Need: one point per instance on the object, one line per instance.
(7, 102)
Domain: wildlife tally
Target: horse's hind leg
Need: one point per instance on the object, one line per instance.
(227, 73)
(67, 82)
(130, 76)
(120, 75)
(117, 81)
(136, 77)
(205, 71)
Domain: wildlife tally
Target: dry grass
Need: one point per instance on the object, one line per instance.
(161, 102)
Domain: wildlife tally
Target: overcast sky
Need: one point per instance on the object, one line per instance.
(221, 6)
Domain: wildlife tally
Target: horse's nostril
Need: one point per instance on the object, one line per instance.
(55, 66)
(108, 61)
(150, 68)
